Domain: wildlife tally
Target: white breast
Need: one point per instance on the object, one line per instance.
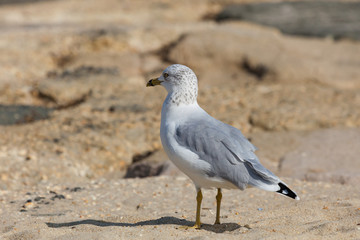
(186, 160)
(183, 158)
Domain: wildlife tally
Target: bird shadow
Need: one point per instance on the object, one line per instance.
(218, 228)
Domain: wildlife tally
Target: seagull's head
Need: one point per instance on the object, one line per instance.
(177, 78)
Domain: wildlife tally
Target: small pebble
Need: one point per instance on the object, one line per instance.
(247, 226)
(58, 196)
(38, 199)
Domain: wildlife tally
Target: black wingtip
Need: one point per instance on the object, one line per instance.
(284, 190)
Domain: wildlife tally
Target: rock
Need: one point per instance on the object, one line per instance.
(85, 71)
(142, 170)
(127, 108)
(64, 93)
(330, 155)
(71, 87)
(152, 164)
(6, 2)
(241, 52)
(22, 114)
(273, 145)
(266, 90)
(298, 18)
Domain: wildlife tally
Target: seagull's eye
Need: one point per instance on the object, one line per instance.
(166, 75)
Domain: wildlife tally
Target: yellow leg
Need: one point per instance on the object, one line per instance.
(218, 203)
(199, 198)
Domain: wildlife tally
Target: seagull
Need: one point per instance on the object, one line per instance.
(211, 153)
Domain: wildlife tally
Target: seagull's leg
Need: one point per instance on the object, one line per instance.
(218, 203)
(199, 198)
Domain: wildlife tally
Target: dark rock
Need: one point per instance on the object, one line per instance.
(37, 199)
(149, 164)
(259, 71)
(57, 196)
(136, 108)
(306, 18)
(22, 114)
(139, 157)
(146, 164)
(112, 109)
(84, 71)
(75, 189)
(7, 2)
(142, 170)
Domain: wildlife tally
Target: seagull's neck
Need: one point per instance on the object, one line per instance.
(181, 96)
(176, 106)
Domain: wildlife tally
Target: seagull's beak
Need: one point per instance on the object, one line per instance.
(153, 82)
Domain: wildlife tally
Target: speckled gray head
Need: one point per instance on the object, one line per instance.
(180, 82)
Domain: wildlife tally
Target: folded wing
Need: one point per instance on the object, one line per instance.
(229, 153)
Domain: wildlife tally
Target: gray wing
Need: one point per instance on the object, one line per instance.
(229, 153)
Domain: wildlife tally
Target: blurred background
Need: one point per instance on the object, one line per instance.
(74, 106)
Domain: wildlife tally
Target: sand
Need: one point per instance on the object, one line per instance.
(159, 208)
